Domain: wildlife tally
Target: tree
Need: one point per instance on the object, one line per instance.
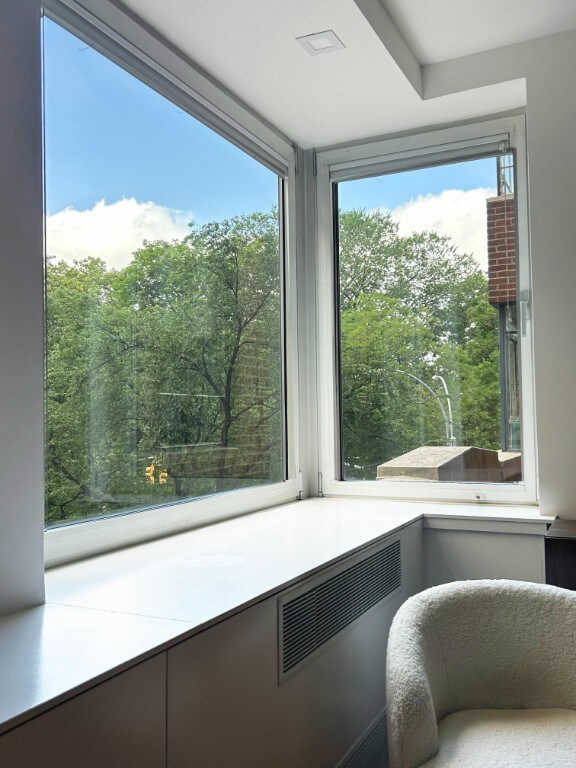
(76, 331)
(411, 308)
(164, 378)
(424, 270)
(480, 368)
(382, 341)
(173, 363)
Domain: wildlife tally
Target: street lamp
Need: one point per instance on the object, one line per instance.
(447, 416)
(451, 438)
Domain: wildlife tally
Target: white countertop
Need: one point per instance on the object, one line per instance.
(205, 574)
(50, 652)
(108, 612)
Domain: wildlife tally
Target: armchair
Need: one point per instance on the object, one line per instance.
(483, 673)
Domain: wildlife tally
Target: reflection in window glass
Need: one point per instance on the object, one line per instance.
(428, 325)
(163, 376)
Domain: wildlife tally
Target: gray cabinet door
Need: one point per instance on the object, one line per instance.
(120, 723)
(227, 708)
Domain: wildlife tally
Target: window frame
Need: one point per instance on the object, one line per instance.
(434, 147)
(120, 38)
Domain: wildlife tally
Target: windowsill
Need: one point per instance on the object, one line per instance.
(107, 613)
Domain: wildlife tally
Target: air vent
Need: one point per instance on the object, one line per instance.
(310, 619)
(371, 751)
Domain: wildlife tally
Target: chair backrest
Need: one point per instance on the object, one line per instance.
(476, 645)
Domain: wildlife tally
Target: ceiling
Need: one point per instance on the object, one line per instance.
(437, 30)
(364, 89)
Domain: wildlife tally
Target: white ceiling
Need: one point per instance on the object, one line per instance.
(437, 30)
(359, 91)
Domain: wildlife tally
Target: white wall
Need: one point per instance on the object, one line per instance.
(21, 386)
(552, 170)
(453, 555)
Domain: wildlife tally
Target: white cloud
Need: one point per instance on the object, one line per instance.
(112, 232)
(459, 214)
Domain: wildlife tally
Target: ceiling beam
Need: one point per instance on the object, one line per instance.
(511, 62)
(382, 24)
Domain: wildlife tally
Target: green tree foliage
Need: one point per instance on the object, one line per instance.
(480, 368)
(172, 363)
(164, 377)
(382, 340)
(411, 307)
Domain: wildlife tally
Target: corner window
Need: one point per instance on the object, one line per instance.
(431, 307)
(164, 295)
(427, 296)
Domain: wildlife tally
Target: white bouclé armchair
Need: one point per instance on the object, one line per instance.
(482, 674)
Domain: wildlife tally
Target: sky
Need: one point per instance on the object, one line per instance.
(124, 164)
(448, 199)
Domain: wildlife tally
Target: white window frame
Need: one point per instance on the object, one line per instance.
(396, 154)
(118, 36)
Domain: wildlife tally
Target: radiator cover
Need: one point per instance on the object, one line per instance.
(371, 750)
(310, 617)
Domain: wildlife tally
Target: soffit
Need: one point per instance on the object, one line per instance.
(447, 29)
(250, 48)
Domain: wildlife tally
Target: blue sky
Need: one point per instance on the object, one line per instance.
(124, 164)
(108, 136)
(396, 189)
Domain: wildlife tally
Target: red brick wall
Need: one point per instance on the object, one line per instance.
(501, 221)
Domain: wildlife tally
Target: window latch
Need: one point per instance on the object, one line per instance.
(524, 311)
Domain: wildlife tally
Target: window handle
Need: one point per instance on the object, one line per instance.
(524, 311)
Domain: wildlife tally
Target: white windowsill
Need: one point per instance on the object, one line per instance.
(105, 614)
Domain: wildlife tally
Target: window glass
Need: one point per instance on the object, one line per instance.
(163, 297)
(428, 322)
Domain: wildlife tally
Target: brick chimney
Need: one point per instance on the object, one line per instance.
(501, 220)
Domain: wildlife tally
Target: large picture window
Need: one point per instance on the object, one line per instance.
(164, 361)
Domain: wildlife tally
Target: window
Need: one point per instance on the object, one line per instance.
(164, 268)
(429, 264)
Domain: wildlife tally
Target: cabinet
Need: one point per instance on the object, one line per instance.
(120, 723)
(228, 704)
(230, 694)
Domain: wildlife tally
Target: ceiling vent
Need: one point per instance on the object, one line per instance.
(320, 42)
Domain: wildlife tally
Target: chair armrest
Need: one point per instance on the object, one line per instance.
(410, 698)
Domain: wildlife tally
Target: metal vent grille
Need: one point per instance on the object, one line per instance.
(312, 618)
(372, 750)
